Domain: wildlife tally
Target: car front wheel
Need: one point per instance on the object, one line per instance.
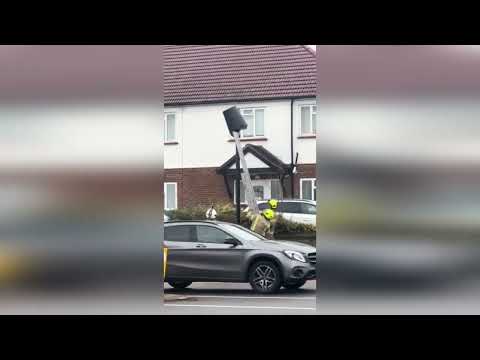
(264, 277)
(179, 284)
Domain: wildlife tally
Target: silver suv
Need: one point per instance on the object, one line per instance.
(296, 210)
(203, 251)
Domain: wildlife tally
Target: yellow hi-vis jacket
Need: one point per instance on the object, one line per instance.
(273, 224)
(165, 255)
(260, 225)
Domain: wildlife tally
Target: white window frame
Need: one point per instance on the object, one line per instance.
(165, 195)
(311, 106)
(175, 127)
(314, 187)
(254, 109)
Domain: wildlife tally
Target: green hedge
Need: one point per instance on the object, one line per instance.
(226, 212)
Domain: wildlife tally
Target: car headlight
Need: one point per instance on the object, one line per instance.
(295, 255)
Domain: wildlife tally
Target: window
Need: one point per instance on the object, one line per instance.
(291, 207)
(181, 233)
(209, 234)
(259, 192)
(280, 206)
(277, 191)
(241, 233)
(309, 209)
(308, 189)
(308, 120)
(170, 127)
(170, 196)
(263, 206)
(255, 122)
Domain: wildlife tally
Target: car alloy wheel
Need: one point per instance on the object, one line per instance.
(265, 277)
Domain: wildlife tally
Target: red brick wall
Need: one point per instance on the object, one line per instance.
(198, 186)
(203, 186)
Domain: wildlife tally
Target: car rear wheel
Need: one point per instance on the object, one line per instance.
(264, 277)
(179, 284)
(295, 285)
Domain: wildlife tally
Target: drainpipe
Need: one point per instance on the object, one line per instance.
(291, 150)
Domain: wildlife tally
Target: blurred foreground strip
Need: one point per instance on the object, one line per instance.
(81, 171)
(12, 267)
(399, 171)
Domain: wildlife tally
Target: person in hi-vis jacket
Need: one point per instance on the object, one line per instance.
(273, 204)
(261, 223)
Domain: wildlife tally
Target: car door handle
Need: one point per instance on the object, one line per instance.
(201, 246)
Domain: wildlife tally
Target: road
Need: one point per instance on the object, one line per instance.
(221, 298)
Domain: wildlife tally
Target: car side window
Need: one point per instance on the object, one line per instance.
(309, 209)
(180, 233)
(209, 234)
(281, 206)
(292, 207)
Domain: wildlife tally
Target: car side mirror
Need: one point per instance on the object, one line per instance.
(232, 241)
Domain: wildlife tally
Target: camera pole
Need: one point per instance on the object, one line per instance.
(245, 175)
(236, 123)
(237, 186)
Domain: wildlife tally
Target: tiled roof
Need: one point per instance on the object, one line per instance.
(219, 73)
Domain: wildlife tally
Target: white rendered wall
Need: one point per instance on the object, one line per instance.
(203, 138)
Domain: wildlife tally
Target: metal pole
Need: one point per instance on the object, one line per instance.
(237, 186)
(245, 177)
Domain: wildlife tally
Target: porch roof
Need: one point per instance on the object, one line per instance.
(275, 165)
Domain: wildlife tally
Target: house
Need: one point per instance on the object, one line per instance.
(274, 86)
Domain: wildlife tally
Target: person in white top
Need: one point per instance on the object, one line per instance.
(211, 213)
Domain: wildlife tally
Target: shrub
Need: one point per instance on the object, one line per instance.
(227, 212)
(289, 227)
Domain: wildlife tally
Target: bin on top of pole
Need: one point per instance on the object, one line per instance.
(236, 123)
(235, 120)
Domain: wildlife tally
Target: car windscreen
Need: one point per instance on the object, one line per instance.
(241, 233)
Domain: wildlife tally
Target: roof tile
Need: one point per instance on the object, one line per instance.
(216, 73)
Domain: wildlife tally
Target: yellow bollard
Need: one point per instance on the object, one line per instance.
(12, 266)
(165, 253)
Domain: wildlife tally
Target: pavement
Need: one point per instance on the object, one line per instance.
(234, 298)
